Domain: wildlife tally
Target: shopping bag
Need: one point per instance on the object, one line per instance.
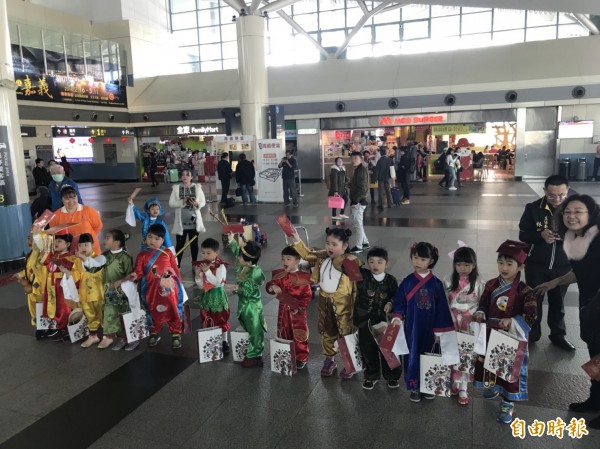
(592, 368)
(135, 326)
(504, 356)
(435, 375)
(69, 288)
(239, 344)
(379, 330)
(480, 334)
(392, 172)
(78, 325)
(42, 323)
(335, 202)
(283, 356)
(348, 347)
(466, 343)
(210, 344)
(130, 216)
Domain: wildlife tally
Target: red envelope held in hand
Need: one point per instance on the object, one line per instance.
(43, 220)
(237, 228)
(286, 225)
(352, 270)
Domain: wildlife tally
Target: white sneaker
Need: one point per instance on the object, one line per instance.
(344, 216)
(336, 217)
(452, 188)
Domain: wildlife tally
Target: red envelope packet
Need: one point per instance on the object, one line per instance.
(389, 337)
(592, 368)
(286, 225)
(237, 228)
(43, 220)
(352, 270)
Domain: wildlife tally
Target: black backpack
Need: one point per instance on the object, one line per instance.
(440, 163)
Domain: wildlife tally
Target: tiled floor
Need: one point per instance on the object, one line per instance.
(60, 395)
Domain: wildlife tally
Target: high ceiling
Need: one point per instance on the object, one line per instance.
(579, 6)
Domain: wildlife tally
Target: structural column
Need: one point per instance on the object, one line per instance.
(252, 68)
(15, 215)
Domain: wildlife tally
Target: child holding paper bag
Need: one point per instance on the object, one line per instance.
(464, 289)
(374, 296)
(422, 305)
(513, 306)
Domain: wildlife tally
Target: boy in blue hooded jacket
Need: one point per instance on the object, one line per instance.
(153, 211)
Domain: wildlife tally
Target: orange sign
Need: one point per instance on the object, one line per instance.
(407, 120)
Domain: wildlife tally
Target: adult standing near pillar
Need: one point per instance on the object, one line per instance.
(359, 189)
(59, 180)
(288, 167)
(224, 172)
(547, 259)
(40, 174)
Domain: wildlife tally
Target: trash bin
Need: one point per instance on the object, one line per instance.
(581, 168)
(564, 169)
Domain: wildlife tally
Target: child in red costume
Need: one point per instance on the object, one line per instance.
(292, 288)
(162, 292)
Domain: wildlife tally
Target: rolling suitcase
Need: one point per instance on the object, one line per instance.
(396, 195)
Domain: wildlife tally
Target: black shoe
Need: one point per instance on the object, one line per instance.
(60, 336)
(356, 250)
(535, 334)
(225, 348)
(562, 343)
(584, 407)
(366, 246)
(39, 335)
(51, 333)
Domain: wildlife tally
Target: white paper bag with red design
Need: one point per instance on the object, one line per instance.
(504, 356)
(348, 347)
(466, 343)
(239, 344)
(283, 357)
(42, 323)
(210, 344)
(434, 376)
(135, 326)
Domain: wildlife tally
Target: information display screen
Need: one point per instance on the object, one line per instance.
(78, 151)
(576, 130)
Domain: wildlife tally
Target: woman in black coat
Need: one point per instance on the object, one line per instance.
(338, 185)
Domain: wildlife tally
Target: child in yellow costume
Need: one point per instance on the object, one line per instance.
(336, 295)
(91, 287)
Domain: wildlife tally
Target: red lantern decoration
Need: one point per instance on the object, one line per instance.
(123, 139)
(107, 140)
(72, 140)
(91, 140)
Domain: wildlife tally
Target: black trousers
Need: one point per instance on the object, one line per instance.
(153, 178)
(445, 179)
(403, 180)
(374, 362)
(180, 243)
(536, 274)
(225, 183)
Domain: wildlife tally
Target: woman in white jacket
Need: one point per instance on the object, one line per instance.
(187, 199)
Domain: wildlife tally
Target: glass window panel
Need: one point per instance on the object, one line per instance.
(412, 12)
(228, 33)
(307, 21)
(509, 37)
(388, 33)
(210, 66)
(186, 37)
(332, 20)
(332, 38)
(183, 20)
(208, 17)
(230, 50)
(305, 52)
(359, 51)
(190, 67)
(476, 40)
(328, 5)
(573, 30)
(353, 15)
(540, 33)
(387, 48)
(209, 34)
(566, 18)
(508, 19)
(210, 51)
(278, 27)
(540, 18)
(230, 64)
(476, 23)
(301, 7)
(207, 4)
(364, 36)
(183, 5)
(227, 12)
(466, 10)
(415, 30)
(441, 10)
(445, 26)
(387, 17)
(189, 54)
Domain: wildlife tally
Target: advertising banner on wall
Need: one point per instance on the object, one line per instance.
(7, 188)
(471, 128)
(269, 153)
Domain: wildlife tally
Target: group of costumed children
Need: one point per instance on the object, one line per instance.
(428, 309)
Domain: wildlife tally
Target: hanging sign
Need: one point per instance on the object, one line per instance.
(269, 153)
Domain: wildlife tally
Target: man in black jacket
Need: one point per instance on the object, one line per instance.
(383, 177)
(40, 174)
(244, 176)
(547, 259)
(224, 172)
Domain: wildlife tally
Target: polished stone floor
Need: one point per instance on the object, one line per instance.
(58, 395)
